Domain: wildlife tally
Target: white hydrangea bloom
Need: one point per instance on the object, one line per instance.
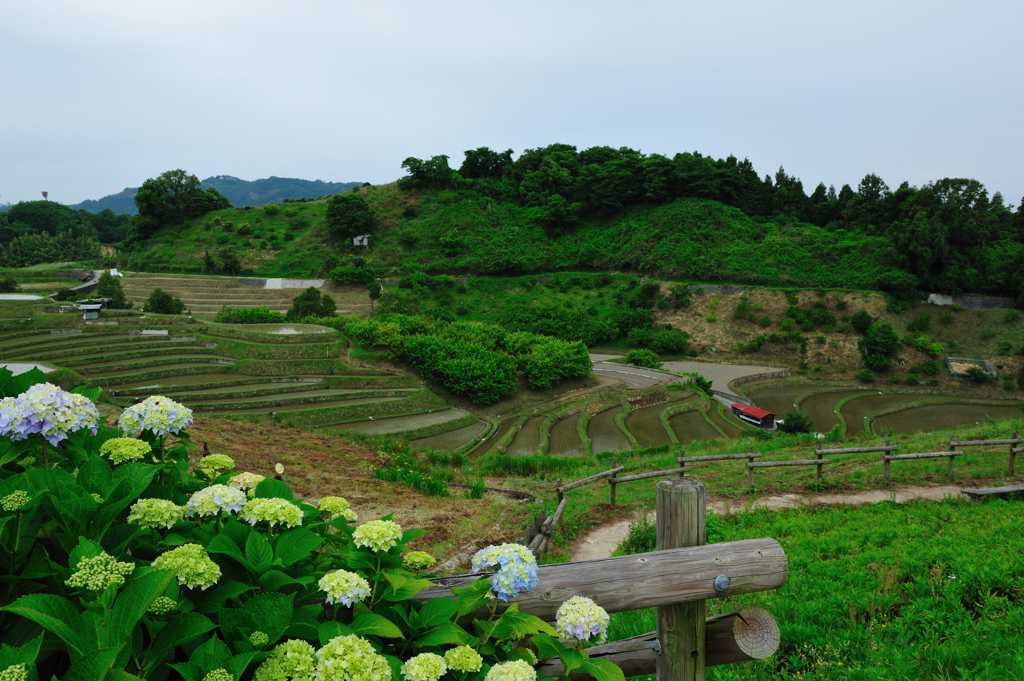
(463, 659)
(581, 619)
(344, 587)
(350, 658)
(293, 660)
(245, 481)
(516, 670)
(424, 667)
(217, 462)
(154, 513)
(191, 564)
(272, 511)
(338, 507)
(124, 449)
(214, 499)
(159, 415)
(378, 535)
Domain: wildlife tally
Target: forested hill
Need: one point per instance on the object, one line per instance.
(239, 192)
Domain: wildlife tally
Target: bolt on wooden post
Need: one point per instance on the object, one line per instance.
(681, 523)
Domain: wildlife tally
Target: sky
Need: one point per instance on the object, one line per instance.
(99, 96)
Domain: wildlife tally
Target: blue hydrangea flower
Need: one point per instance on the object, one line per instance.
(156, 414)
(516, 569)
(46, 410)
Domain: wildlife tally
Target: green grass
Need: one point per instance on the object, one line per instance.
(923, 590)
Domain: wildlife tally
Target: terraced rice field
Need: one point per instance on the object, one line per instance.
(453, 439)
(485, 445)
(779, 400)
(821, 408)
(692, 427)
(645, 423)
(527, 439)
(564, 439)
(729, 424)
(400, 423)
(938, 416)
(856, 409)
(604, 433)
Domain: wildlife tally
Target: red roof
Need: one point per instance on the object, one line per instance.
(751, 411)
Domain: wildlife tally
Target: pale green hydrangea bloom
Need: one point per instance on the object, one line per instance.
(219, 675)
(344, 586)
(15, 500)
(97, 497)
(245, 481)
(350, 658)
(99, 572)
(156, 414)
(27, 461)
(16, 672)
(418, 560)
(162, 606)
(217, 462)
(516, 670)
(123, 449)
(191, 565)
(214, 499)
(463, 659)
(424, 667)
(378, 535)
(338, 507)
(581, 619)
(272, 511)
(258, 639)
(292, 660)
(154, 513)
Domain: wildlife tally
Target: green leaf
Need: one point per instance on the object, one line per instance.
(294, 545)
(397, 581)
(377, 625)
(602, 670)
(181, 629)
(269, 488)
(221, 543)
(515, 625)
(215, 600)
(92, 667)
(53, 613)
(94, 475)
(572, 659)
(437, 610)
(547, 646)
(86, 549)
(329, 630)
(410, 589)
(258, 551)
(275, 580)
(472, 597)
(26, 654)
(146, 585)
(443, 634)
(305, 622)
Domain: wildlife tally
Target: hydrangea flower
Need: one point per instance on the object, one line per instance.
(97, 497)
(15, 672)
(516, 670)
(46, 410)
(378, 535)
(463, 659)
(99, 572)
(424, 667)
(156, 414)
(272, 511)
(245, 481)
(350, 658)
(258, 639)
(15, 500)
(27, 461)
(162, 606)
(337, 507)
(580, 618)
(122, 449)
(214, 499)
(418, 560)
(292, 660)
(219, 675)
(154, 513)
(344, 587)
(191, 564)
(516, 569)
(217, 462)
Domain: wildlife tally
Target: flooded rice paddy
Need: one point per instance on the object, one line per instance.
(821, 408)
(484, 445)
(564, 439)
(604, 433)
(453, 439)
(856, 409)
(692, 427)
(527, 439)
(779, 400)
(938, 416)
(397, 424)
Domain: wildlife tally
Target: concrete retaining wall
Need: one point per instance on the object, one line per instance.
(971, 302)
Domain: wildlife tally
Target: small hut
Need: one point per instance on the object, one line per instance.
(759, 417)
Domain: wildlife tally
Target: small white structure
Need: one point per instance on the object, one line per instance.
(361, 241)
(91, 311)
(115, 273)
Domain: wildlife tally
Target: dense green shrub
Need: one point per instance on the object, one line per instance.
(248, 315)
(662, 340)
(796, 422)
(311, 303)
(975, 374)
(348, 216)
(8, 284)
(861, 322)
(109, 286)
(162, 302)
(930, 367)
(464, 368)
(865, 375)
(643, 358)
(921, 324)
(356, 271)
(879, 346)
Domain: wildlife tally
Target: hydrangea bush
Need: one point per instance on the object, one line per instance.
(155, 568)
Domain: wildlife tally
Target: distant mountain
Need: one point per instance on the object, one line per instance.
(239, 192)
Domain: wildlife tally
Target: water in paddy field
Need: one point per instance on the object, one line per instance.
(856, 409)
(19, 296)
(938, 416)
(397, 424)
(645, 424)
(604, 434)
(527, 439)
(821, 408)
(484, 445)
(692, 427)
(280, 329)
(565, 437)
(21, 367)
(453, 439)
(778, 400)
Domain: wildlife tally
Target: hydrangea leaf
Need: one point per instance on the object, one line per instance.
(515, 625)
(222, 544)
(53, 613)
(437, 610)
(329, 630)
(181, 629)
(376, 625)
(294, 545)
(258, 551)
(602, 670)
(145, 586)
(443, 634)
(270, 488)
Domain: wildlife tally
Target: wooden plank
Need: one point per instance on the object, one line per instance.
(681, 511)
(858, 450)
(1017, 450)
(799, 462)
(718, 457)
(749, 632)
(986, 491)
(652, 474)
(925, 455)
(646, 580)
(593, 478)
(981, 443)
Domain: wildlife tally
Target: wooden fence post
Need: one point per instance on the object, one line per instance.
(750, 471)
(560, 493)
(885, 455)
(611, 483)
(681, 522)
(682, 473)
(818, 452)
(1013, 454)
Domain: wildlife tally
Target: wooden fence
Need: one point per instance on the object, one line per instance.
(677, 579)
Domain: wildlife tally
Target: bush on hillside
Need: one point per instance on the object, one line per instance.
(879, 346)
(356, 271)
(162, 302)
(464, 368)
(865, 375)
(643, 358)
(796, 422)
(975, 374)
(348, 216)
(663, 340)
(861, 322)
(930, 367)
(311, 303)
(109, 286)
(8, 284)
(249, 315)
(921, 324)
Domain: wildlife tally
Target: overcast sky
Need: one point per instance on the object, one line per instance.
(97, 96)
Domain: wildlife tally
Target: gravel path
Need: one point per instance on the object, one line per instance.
(634, 377)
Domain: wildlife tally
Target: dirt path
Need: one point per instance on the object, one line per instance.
(600, 542)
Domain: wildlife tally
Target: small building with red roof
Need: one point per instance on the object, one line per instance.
(759, 417)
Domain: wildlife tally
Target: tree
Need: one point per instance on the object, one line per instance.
(172, 198)
(348, 216)
(796, 422)
(879, 346)
(484, 163)
(310, 303)
(861, 322)
(8, 284)
(209, 264)
(110, 287)
(230, 263)
(162, 302)
(643, 358)
(373, 290)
